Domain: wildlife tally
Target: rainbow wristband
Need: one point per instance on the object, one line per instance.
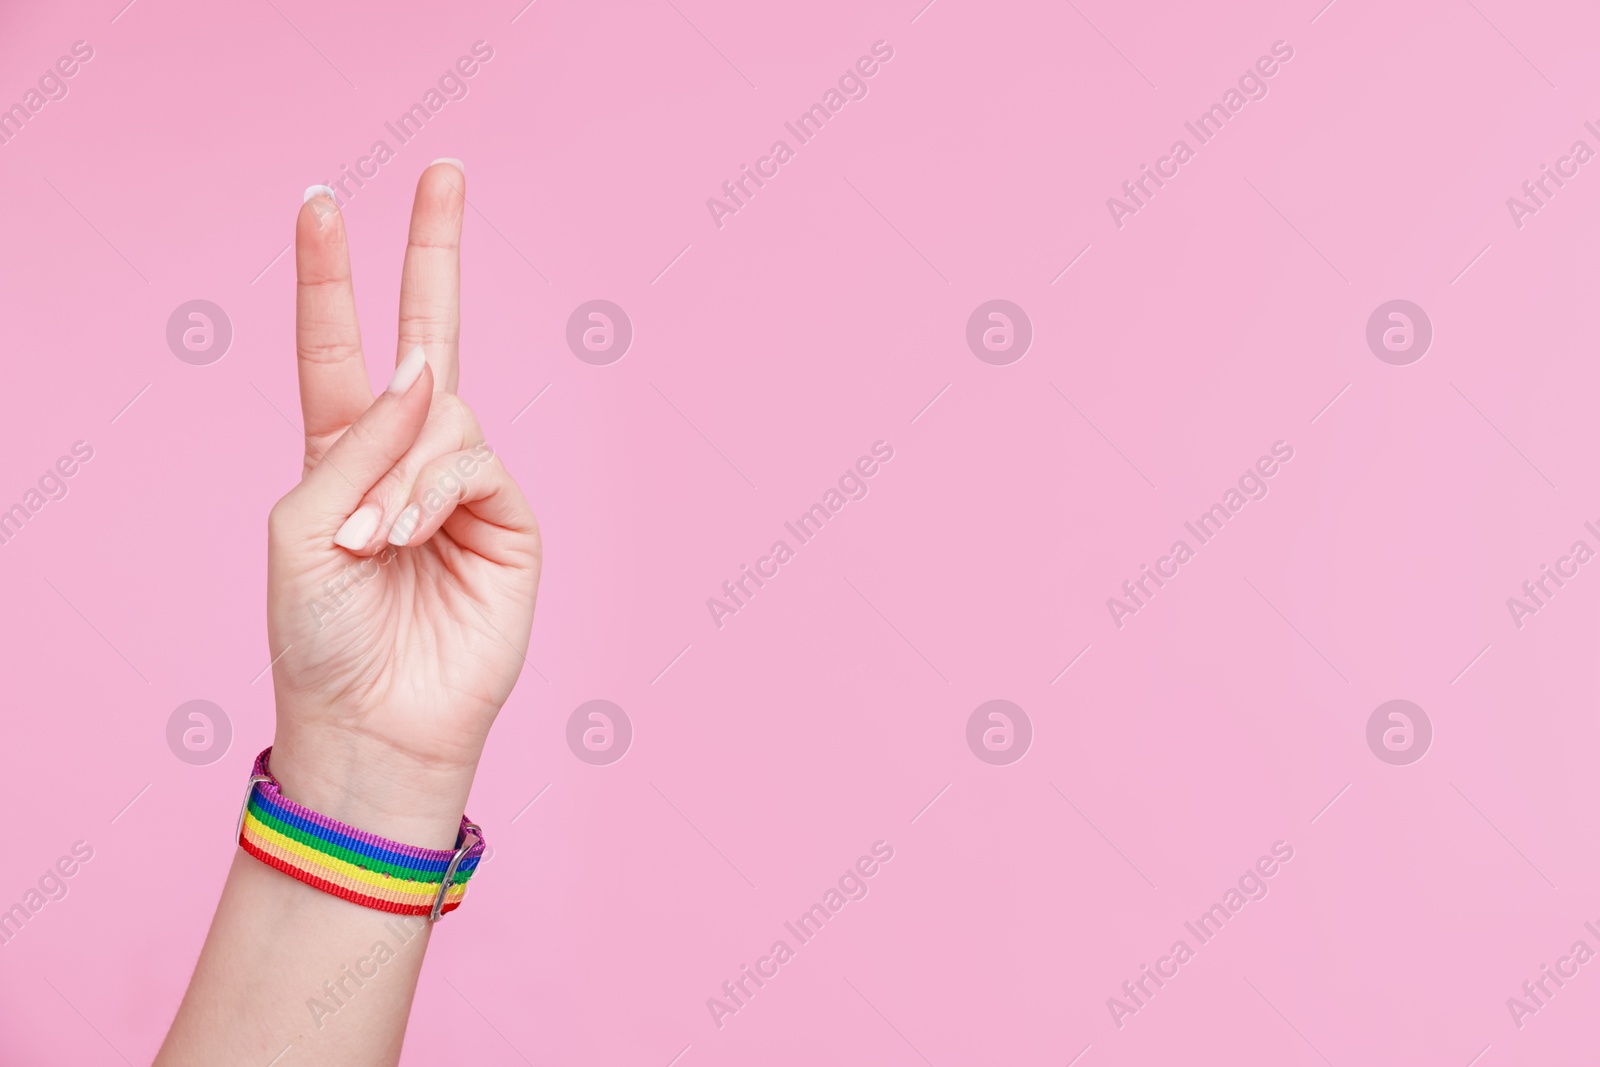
(352, 864)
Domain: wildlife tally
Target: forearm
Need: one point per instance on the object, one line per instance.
(288, 966)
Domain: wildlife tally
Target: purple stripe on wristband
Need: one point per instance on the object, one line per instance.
(271, 790)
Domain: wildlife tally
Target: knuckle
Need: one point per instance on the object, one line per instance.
(382, 495)
(334, 281)
(363, 438)
(427, 325)
(463, 424)
(282, 520)
(329, 350)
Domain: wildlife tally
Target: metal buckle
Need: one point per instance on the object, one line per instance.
(474, 835)
(249, 792)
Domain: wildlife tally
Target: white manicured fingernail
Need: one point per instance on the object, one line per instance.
(317, 190)
(456, 163)
(409, 370)
(406, 525)
(359, 528)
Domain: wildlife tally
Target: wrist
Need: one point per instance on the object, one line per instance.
(373, 785)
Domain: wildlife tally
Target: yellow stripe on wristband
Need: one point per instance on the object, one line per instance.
(341, 872)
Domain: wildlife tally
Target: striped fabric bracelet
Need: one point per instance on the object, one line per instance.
(352, 864)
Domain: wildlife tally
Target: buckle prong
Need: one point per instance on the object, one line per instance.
(472, 835)
(238, 831)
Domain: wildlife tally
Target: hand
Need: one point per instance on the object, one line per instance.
(392, 662)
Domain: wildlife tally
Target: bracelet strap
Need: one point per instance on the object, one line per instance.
(350, 863)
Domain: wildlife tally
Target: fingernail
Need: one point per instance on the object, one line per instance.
(409, 370)
(320, 190)
(406, 525)
(359, 528)
(456, 163)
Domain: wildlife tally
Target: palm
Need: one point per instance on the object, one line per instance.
(416, 647)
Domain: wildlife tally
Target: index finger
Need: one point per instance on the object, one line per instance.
(334, 390)
(430, 281)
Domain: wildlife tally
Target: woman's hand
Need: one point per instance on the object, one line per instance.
(391, 662)
(402, 569)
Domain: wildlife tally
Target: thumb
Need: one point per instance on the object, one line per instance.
(333, 489)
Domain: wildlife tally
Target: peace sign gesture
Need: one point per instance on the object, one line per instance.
(403, 567)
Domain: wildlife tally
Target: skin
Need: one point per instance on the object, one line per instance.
(391, 662)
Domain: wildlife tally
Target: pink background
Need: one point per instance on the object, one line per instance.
(827, 714)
